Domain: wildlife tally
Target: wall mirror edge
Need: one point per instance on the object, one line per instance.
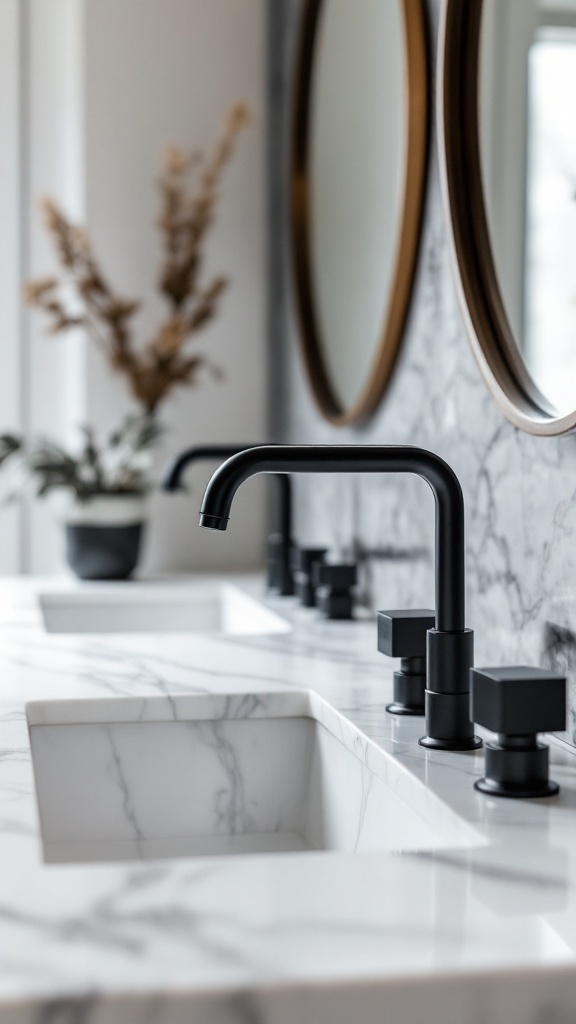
(414, 177)
(491, 337)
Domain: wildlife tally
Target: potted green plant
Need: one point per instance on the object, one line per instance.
(103, 482)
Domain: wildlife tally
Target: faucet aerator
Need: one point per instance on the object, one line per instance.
(213, 522)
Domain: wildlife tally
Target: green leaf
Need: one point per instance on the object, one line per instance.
(9, 444)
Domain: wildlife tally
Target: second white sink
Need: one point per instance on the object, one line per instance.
(199, 606)
(211, 775)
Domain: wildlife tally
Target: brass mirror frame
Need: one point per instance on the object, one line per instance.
(415, 165)
(488, 327)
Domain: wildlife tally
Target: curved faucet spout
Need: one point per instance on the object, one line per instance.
(450, 553)
(172, 478)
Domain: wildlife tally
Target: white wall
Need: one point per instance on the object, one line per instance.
(52, 146)
(109, 83)
(10, 256)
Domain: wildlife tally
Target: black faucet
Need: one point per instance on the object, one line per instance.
(280, 544)
(450, 644)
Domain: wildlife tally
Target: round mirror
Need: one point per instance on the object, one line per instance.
(508, 88)
(359, 161)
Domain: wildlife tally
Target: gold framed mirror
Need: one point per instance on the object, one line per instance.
(508, 168)
(358, 172)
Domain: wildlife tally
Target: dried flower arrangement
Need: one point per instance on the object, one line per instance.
(80, 296)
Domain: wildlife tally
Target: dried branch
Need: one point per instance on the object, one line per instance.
(81, 296)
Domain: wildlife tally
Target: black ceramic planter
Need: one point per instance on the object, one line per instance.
(103, 552)
(104, 535)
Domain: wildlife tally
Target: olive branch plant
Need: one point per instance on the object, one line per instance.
(80, 296)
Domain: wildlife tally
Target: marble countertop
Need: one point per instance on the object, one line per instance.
(481, 934)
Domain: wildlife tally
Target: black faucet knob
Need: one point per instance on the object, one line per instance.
(403, 634)
(279, 564)
(303, 559)
(334, 583)
(303, 562)
(517, 702)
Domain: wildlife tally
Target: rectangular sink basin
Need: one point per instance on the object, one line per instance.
(132, 779)
(196, 607)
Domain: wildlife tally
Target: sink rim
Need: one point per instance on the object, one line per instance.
(262, 705)
(145, 595)
(144, 592)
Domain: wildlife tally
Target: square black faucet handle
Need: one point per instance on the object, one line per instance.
(279, 565)
(402, 633)
(303, 562)
(334, 585)
(304, 559)
(337, 576)
(517, 702)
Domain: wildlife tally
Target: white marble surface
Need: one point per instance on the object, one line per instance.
(480, 934)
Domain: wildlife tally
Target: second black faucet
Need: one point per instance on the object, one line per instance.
(280, 544)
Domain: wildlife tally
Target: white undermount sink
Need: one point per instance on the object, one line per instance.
(213, 775)
(199, 606)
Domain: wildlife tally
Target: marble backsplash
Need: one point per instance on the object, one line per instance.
(519, 490)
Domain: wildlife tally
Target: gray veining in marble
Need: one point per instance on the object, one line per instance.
(519, 490)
